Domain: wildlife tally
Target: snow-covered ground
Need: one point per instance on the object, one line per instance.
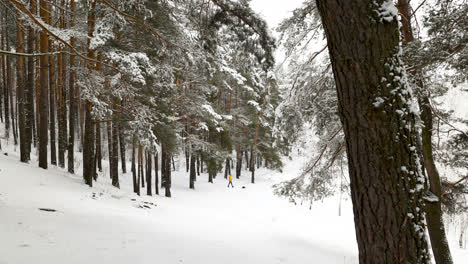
(212, 224)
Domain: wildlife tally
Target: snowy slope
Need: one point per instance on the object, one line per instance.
(212, 224)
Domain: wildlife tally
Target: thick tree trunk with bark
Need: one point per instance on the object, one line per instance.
(378, 118)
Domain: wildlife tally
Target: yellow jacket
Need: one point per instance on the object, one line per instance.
(230, 178)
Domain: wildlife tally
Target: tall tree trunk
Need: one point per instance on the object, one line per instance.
(435, 223)
(52, 84)
(115, 154)
(61, 98)
(44, 88)
(3, 19)
(193, 174)
(109, 147)
(98, 156)
(29, 88)
(227, 169)
(136, 187)
(20, 83)
(167, 184)
(149, 161)
(72, 98)
(156, 183)
(89, 163)
(238, 162)
(9, 86)
(163, 165)
(53, 149)
(6, 109)
(88, 150)
(122, 148)
(387, 184)
(198, 163)
(140, 169)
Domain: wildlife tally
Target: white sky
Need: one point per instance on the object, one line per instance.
(274, 11)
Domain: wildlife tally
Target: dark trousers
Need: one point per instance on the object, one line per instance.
(230, 183)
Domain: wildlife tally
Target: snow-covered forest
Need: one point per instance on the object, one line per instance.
(341, 127)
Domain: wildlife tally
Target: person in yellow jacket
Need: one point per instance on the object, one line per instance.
(230, 182)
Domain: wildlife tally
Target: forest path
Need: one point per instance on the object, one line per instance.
(212, 224)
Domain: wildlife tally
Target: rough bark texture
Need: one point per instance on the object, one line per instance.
(379, 125)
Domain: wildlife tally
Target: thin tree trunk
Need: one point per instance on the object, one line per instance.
(98, 156)
(115, 154)
(435, 224)
(140, 170)
(136, 187)
(238, 162)
(122, 148)
(156, 183)
(109, 147)
(5, 75)
(149, 161)
(163, 165)
(20, 83)
(227, 169)
(193, 174)
(62, 98)
(72, 98)
(198, 163)
(386, 183)
(29, 89)
(44, 88)
(167, 184)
